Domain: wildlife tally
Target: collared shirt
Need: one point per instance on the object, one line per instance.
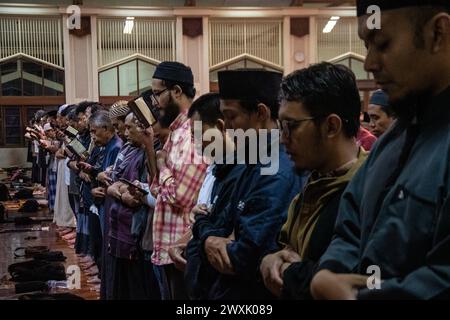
(123, 158)
(112, 148)
(176, 188)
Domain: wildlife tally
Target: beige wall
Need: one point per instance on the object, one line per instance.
(80, 58)
(300, 46)
(192, 58)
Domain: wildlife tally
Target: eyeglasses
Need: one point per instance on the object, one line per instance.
(288, 125)
(156, 95)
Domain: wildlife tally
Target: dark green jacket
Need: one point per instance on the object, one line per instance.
(395, 213)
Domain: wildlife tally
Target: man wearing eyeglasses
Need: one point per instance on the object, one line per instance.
(319, 115)
(178, 179)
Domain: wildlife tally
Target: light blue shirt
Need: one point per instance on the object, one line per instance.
(204, 195)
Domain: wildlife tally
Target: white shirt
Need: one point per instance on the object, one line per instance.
(204, 195)
(149, 200)
(67, 172)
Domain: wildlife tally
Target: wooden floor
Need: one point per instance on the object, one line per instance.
(10, 241)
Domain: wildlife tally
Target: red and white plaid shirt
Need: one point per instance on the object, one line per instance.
(176, 189)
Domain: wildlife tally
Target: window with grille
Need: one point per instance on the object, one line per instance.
(355, 63)
(38, 37)
(31, 72)
(258, 38)
(130, 78)
(342, 39)
(154, 39)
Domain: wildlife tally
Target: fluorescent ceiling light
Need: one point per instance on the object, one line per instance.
(129, 24)
(331, 24)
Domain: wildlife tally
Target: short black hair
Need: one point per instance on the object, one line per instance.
(122, 118)
(39, 114)
(52, 113)
(366, 117)
(388, 110)
(67, 109)
(188, 90)
(208, 107)
(420, 16)
(96, 106)
(82, 106)
(251, 105)
(72, 115)
(324, 89)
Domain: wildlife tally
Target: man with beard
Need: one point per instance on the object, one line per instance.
(178, 180)
(394, 217)
(326, 132)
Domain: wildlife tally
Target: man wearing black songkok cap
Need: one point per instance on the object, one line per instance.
(394, 217)
(244, 224)
(178, 178)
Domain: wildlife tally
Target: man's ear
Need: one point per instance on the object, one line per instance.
(333, 126)
(220, 124)
(177, 91)
(440, 30)
(263, 112)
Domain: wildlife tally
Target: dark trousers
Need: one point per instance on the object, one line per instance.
(131, 280)
(74, 201)
(95, 239)
(171, 282)
(35, 171)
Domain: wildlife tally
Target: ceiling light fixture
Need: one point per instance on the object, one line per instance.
(129, 24)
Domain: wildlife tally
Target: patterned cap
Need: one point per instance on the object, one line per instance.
(119, 109)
